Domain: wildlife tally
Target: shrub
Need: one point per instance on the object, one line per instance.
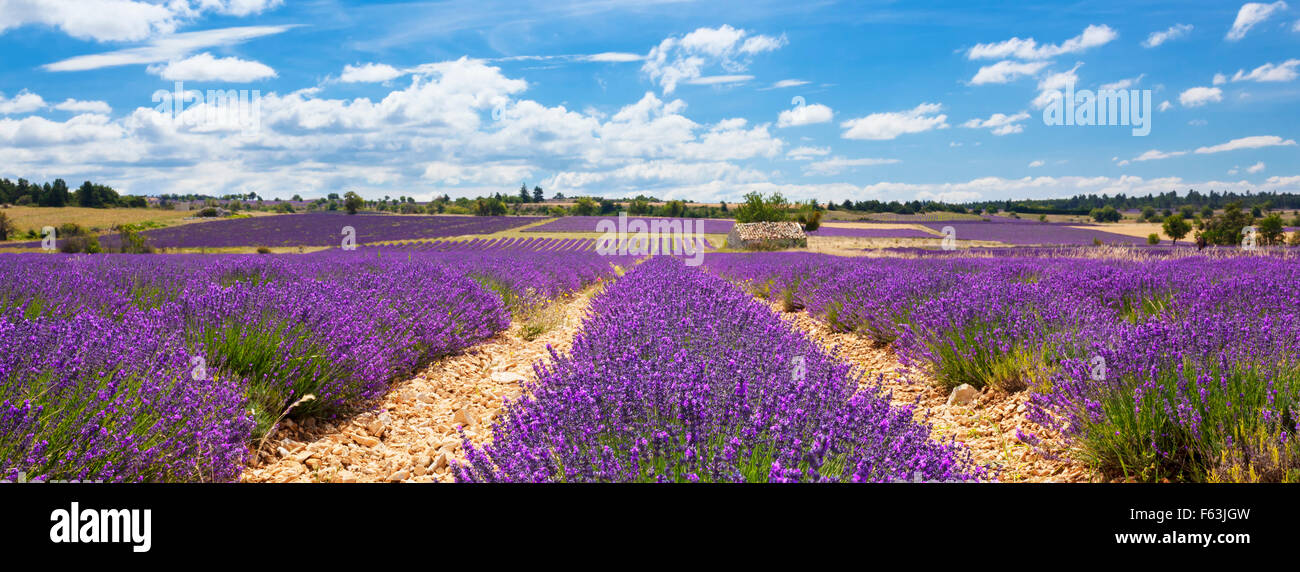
(1153, 239)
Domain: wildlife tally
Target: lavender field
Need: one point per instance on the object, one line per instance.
(1135, 363)
(322, 229)
(167, 367)
(1183, 368)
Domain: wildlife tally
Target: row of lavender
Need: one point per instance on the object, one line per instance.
(678, 376)
(162, 368)
(1183, 368)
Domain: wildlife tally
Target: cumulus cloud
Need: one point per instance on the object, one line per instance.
(119, 20)
(680, 60)
(1050, 87)
(889, 125)
(369, 73)
(1256, 168)
(1199, 96)
(999, 123)
(1285, 71)
(1006, 71)
(1173, 33)
(1029, 49)
(76, 106)
(804, 115)
(1036, 164)
(205, 67)
(24, 102)
(1250, 15)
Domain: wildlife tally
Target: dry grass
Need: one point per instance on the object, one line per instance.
(34, 218)
(1136, 229)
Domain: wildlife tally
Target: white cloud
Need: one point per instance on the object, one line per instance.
(1220, 79)
(1006, 71)
(804, 115)
(205, 67)
(1253, 142)
(1050, 87)
(1173, 33)
(76, 106)
(1000, 124)
(500, 174)
(24, 102)
(885, 126)
(789, 83)
(1028, 49)
(680, 60)
(1198, 96)
(119, 20)
(1036, 164)
(719, 79)
(369, 73)
(1285, 71)
(837, 165)
(806, 153)
(1249, 15)
(613, 57)
(1126, 83)
(99, 20)
(1256, 168)
(166, 48)
(1165, 105)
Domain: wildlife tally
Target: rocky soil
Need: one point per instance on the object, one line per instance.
(411, 434)
(987, 421)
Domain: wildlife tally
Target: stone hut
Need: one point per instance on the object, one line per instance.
(766, 236)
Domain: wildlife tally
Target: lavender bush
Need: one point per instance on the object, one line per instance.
(677, 376)
(1169, 367)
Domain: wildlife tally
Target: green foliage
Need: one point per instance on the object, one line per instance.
(584, 206)
(1153, 239)
(7, 227)
(1271, 230)
(489, 207)
(353, 202)
(1105, 214)
(1176, 227)
(760, 208)
(1225, 229)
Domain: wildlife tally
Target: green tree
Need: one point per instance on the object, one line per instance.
(1176, 227)
(1153, 239)
(1148, 213)
(524, 195)
(584, 206)
(1106, 214)
(1271, 230)
(489, 207)
(760, 208)
(6, 227)
(353, 202)
(1225, 229)
(537, 195)
(675, 209)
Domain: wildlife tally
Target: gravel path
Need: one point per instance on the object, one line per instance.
(987, 424)
(411, 435)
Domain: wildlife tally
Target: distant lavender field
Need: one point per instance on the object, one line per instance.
(322, 229)
(871, 232)
(1023, 233)
(588, 224)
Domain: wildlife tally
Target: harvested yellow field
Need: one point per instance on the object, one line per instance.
(34, 218)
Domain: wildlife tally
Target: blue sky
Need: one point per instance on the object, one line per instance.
(694, 100)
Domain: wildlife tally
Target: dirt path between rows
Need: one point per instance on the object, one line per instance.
(411, 435)
(987, 425)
